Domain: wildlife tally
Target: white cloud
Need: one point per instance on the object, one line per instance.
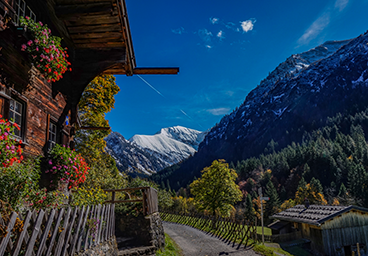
(218, 111)
(230, 25)
(208, 46)
(315, 29)
(205, 35)
(214, 20)
(247, 25)
(220, 34)
(341, 4)
(178, 31)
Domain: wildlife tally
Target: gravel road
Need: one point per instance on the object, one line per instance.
(194, 242)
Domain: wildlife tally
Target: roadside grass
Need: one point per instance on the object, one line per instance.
(267, 231)
(171, 248)
(270, 250)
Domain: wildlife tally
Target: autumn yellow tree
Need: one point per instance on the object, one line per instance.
(310, 192)
(97, 100)
(216, 190)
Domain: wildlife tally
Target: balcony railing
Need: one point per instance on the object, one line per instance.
(22, 9)
(16, 9)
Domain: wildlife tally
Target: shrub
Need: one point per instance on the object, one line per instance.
(41, 199)
(88, 196)
(17, 183)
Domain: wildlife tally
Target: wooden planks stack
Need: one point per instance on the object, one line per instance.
(57, 232)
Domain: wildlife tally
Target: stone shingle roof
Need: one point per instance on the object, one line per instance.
(315, 214)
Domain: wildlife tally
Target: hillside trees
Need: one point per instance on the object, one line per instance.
(97, 100)
(216, 190)
(329, 158)
(273, 204)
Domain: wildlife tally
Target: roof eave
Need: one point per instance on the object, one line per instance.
(130, 59)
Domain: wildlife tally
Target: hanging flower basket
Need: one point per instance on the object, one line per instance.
(45, 50)
(68, 168)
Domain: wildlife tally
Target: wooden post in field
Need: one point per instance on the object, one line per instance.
(261, 198)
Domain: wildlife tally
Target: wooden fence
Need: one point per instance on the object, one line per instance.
(148, 197)
(57, 232)
(230, 230)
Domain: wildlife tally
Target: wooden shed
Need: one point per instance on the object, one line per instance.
(97, 35)
(332, 230)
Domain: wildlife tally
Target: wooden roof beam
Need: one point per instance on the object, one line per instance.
(64, 2)
(80, 9)
(155, 71)
(143, 71)
(95, 28)
(106, 35)
(101, 45)
(124, 21)
(90, 19)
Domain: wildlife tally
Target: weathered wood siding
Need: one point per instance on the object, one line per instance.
(29, 87)
(40, 105)
(347, 229)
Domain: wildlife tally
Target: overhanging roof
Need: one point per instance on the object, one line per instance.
(98, 36)
(103, 25)
(100, 33)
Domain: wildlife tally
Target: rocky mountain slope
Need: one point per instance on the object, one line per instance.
(298, 96)
(147, 154)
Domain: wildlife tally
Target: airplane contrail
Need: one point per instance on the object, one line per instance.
(182, 111)
(153, 88)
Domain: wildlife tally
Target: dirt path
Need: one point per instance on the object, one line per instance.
(194, 242)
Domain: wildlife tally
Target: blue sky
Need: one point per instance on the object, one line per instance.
(223, 49)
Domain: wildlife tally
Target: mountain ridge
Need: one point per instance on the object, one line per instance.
(144, 155)
(288, 102)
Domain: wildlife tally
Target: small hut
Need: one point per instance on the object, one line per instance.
(332, 230)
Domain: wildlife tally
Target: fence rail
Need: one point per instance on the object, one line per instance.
(148, 197)
(240, 232)
(57, 232)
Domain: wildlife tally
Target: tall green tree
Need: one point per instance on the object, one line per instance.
(273, 204)
(316, 184)
(216, 190)
(249, 211)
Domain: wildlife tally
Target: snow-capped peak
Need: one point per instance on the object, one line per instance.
(173, 143)
(147, 154)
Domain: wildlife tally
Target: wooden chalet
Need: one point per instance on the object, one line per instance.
(98, 38)
(332, 230)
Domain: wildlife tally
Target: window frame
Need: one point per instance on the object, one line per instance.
(55, 134)
(23, 116)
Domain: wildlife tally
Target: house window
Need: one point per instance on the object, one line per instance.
(52, 135)
(22, 9)
(16, 115)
